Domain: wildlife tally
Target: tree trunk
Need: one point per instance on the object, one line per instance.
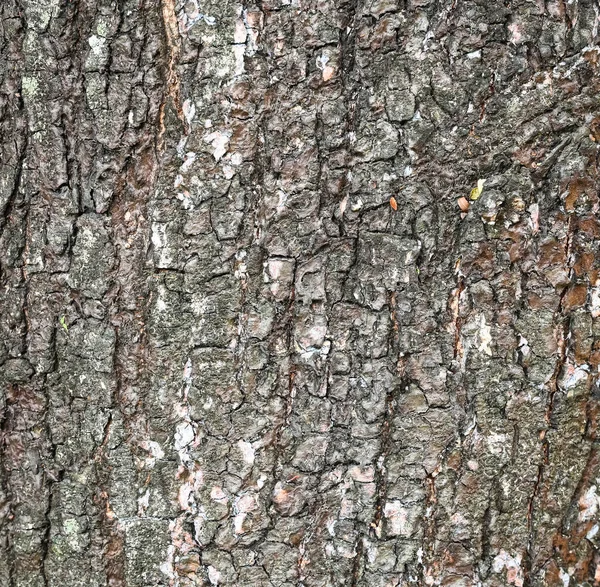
(299, 293)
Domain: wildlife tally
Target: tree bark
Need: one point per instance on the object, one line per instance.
(299, 293)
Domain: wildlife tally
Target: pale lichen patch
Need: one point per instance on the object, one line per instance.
(514, 572)
(573, 374)
(29, 86)
(485, 336)
(400, 520)
(247, 451)
(97, 44)
(589, 503)
(219, 140)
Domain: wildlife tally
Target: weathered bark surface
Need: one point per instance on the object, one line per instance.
(228, 358)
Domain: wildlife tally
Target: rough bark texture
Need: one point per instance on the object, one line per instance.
(228, 357)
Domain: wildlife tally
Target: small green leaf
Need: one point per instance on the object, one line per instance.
(476, 192)
(63, 323)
